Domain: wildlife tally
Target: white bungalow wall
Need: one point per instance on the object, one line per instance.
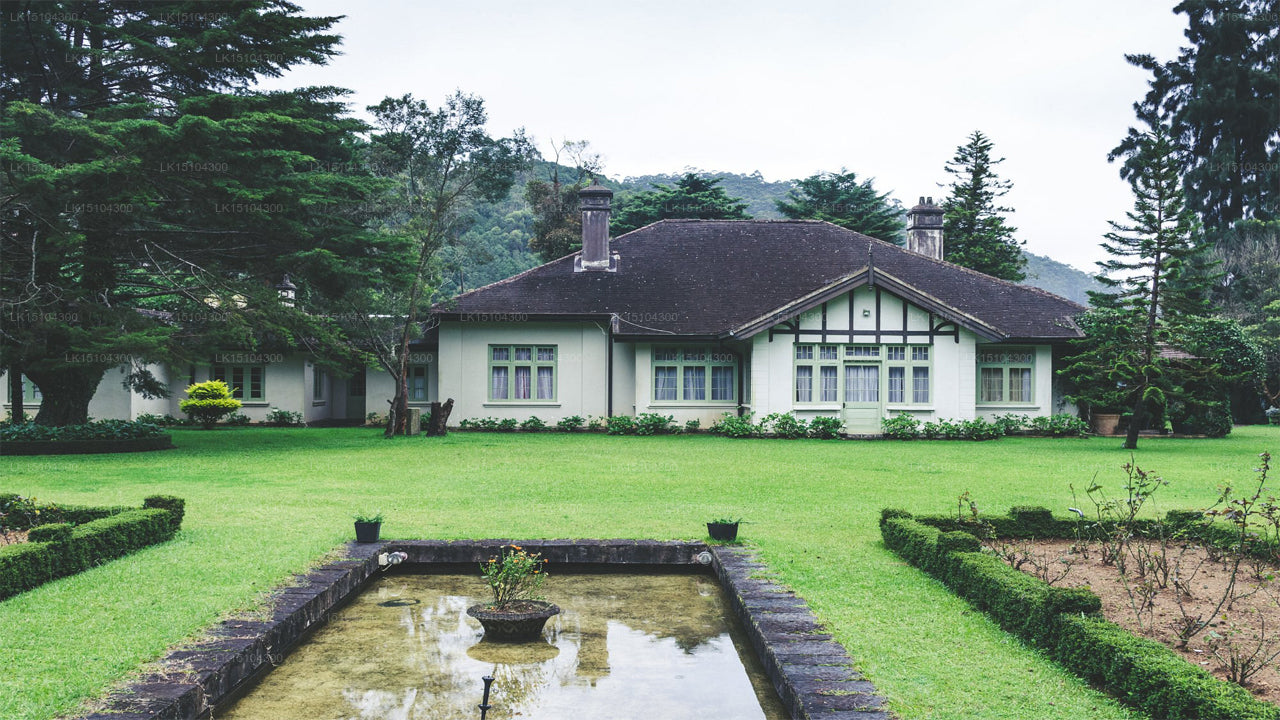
(581, 362)
(953, 370)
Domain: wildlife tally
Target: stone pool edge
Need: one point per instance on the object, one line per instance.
(812, 674)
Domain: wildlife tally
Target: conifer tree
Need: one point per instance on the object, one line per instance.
(841, 199)
(977, 235)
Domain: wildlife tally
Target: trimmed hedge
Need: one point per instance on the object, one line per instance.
(1025, 522)
(56, 550)
(85, 447)
(1065, 622)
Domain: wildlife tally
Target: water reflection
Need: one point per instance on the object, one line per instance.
(644, 646)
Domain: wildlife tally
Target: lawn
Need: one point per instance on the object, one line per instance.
(263, 504)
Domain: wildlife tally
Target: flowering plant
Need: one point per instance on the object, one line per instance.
(513, 576)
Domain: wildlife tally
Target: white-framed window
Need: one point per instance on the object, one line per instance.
(319, 384)
(1006, 375)
(247, 382)
(520, 373)
(416, 381)
(900, 374)
(697, 374)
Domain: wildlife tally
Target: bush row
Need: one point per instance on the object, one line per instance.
(1064, 622)
(96, 430)
(55, 550)
(644, 424)
(1025, 522)
(777, 425)
(275, 418)
(21, 513)
(905, 426)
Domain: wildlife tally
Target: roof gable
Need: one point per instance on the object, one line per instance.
(721, 277)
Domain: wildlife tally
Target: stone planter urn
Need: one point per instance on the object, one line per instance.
(518, 622)
(1106, 423)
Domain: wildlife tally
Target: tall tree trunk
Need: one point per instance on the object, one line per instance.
(66, 392)
(18, 411)
(1135, 424)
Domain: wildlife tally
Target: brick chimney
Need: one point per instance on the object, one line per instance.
(595, 255)
(924, 229)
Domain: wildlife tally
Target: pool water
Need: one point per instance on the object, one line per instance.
(652, 646)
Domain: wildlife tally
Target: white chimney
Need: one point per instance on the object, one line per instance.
(595, 255)
(924, 229)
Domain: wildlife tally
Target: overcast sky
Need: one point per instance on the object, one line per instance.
(885, 89)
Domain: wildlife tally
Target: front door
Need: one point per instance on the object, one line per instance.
(862, 408)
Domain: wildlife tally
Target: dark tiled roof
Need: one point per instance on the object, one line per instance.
(713, 277)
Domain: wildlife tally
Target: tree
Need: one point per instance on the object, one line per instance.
(442, 161)
(692, 197)
(208, 402)
(976, 233)
(1221, 100)
(557, 228)
(147, 211)
(840, 199)
(1151, 254)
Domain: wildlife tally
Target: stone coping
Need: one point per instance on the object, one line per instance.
(812, 674)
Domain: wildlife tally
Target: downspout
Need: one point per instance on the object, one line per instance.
(609, 365)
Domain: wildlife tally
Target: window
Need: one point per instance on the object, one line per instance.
(899, 373)
(693, 374)
(30, 393)
(356, 385)
(417, 383)
(804, 383)
(862, 383)
(820, 362)
(1005, 375)
(319, 381)
(247, 382)
(518, 372)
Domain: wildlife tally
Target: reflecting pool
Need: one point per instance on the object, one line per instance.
(657, 646)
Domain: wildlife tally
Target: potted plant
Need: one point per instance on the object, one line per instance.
(368, 527)
(516, 613)
(725, 529)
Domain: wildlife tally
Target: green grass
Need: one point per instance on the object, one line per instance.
(265, 503)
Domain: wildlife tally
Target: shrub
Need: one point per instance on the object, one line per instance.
(620, 425)
(237, 419)
(507, 425)
(692, 425)
(977, 429)
(1064, 622)
(653, 424)
(175, 505)
(1194, 417)
(533, 424)
(784, 425)
(208, 402)
(96, 430)
(572, 423)
(51, 533)
(160, 420)
(825, 428)
(376, 420)
(282, 418)
(596, 424)
(735, 426)
(31, 564)
(902, 427)
(1060, 425)
(1010, 423)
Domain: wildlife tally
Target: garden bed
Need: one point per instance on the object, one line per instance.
(85, 447)
(1158, 604)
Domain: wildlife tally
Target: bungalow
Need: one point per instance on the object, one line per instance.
(696, 318)
(693, 319)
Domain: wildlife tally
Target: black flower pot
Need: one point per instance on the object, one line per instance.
(367, 532)
(723, 531)
(521, 623)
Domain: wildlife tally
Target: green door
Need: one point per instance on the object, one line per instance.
(862, 407)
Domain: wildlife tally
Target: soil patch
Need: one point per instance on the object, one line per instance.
(1157, 604)
(12, 537)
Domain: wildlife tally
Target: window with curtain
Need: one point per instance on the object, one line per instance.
(862, 383)
(522, 372)
(682, 374)
(247, 382)
(1006, 374)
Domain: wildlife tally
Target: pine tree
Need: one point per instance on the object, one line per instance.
(840, 199)
(977, 235)
(1221, 99)
(1149, 269)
